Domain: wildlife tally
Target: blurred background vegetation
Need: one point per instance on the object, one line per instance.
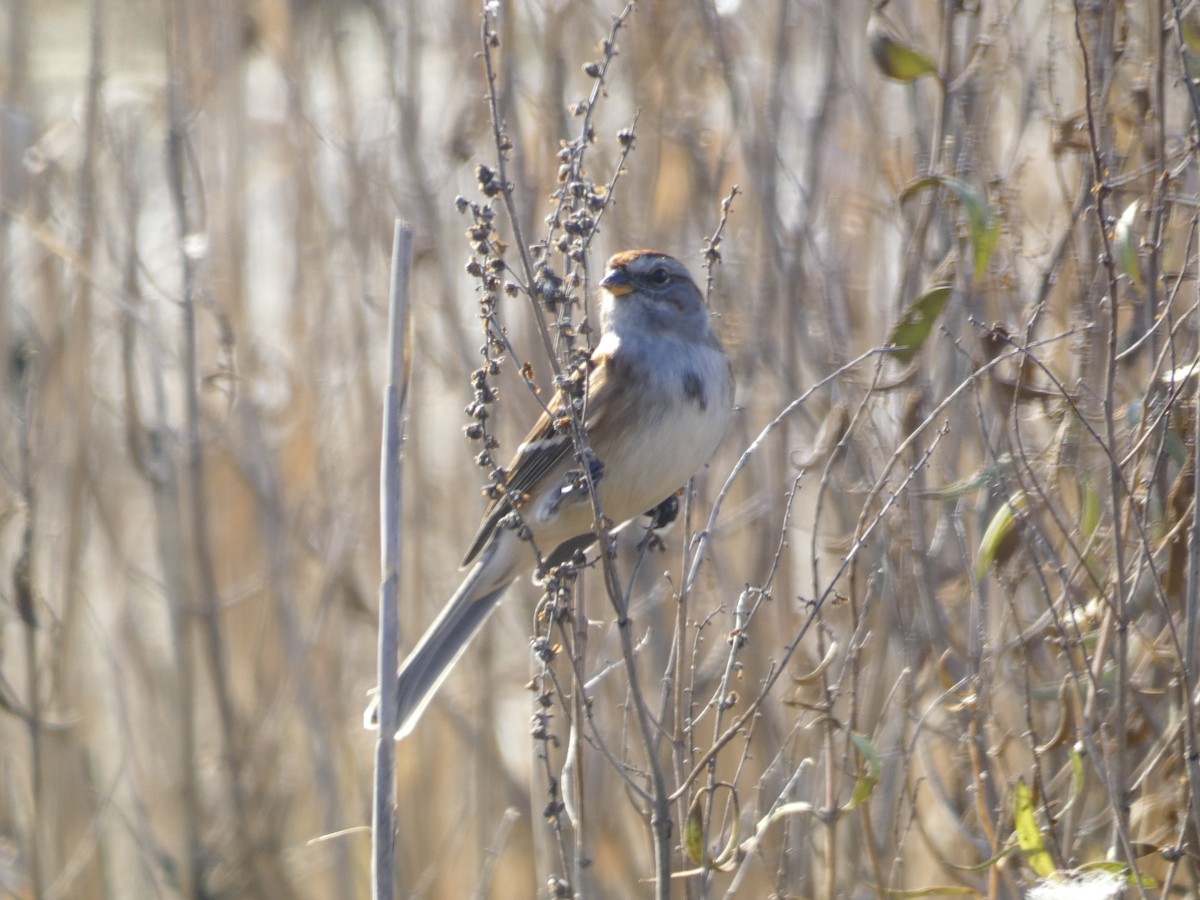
(945, 633)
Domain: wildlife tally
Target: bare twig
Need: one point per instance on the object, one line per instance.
(1092, 99)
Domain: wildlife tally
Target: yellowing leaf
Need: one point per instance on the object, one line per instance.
(1078, 777)
(1127, 242)
(1089, 516)
(999, 539)
(987, 864)
(895, 58)
(1190, 28)
(870, 776)
(1029, 836)
(982, 220)
(981, 479)
(1089, 521)
(917, 322)
(693, 831)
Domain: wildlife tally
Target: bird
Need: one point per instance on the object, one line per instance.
(658, 400)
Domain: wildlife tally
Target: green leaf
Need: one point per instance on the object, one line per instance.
(870, 777)
(1126, 243)
(998, 539)
(1029, 836)
(1089, 517)
(987, 864)
(985, 477)
(893, 56)
(1089, 520)
(917, 322)
(1078, 777)
(982, 220)
(1190, 28)
(693, 831)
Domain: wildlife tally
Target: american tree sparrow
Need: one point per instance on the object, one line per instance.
(659, 398)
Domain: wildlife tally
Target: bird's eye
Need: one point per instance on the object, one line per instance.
(659, 276)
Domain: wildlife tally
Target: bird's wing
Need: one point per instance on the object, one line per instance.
(544, 448)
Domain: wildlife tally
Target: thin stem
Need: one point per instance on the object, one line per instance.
(1116, 477)
(391, 483)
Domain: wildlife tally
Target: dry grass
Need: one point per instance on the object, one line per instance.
(197, 206)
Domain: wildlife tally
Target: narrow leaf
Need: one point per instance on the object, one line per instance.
(1119, 869)
(727, 859)
(985, 477)
(1066, 718)
(1089, 517)
(693, 831)
(870, 776)
(987, 864)
(893, 56)
(999, 539)
(1127, 242)
(1029, 836)
(1190, 22)
(917, 322)
(982, 220)
(1078, 776)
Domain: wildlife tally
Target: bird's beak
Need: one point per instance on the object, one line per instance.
(617, 282)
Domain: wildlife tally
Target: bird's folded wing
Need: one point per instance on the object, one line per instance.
(544, 448)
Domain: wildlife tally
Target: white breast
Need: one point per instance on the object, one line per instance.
(664, 433)
(687, 407)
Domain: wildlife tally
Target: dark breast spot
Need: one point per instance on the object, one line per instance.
(693, 389)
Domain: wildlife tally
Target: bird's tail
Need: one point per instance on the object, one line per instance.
(445, 641)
